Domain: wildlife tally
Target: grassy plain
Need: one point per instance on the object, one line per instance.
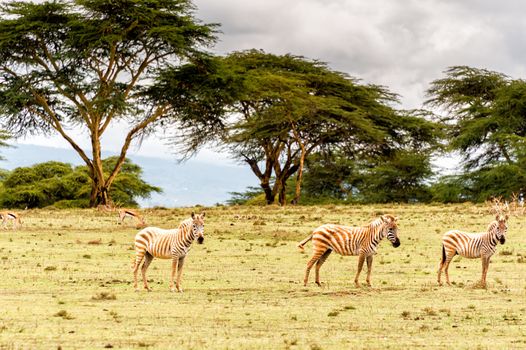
(66, 282)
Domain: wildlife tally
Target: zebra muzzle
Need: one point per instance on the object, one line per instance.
(396, 243)
(502, 240)
(200, 239)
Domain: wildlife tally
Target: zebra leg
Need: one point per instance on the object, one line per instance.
(485, 265)
(369, 269)
(138, 259)
(179, 273)
(440, 272)
(147, 261)
(175, 265)
(315, 257)
(446, 269)
(319, 263)
(361, 260)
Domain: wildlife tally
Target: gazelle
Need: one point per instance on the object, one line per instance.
(10, 215)
(124, 213)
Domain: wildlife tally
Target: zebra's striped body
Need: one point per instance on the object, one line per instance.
(154, 242)
(473, 245)
(346, 240)
(10, 215)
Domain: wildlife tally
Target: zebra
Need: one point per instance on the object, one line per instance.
(153, 242)
(346, 240)
(473, 245)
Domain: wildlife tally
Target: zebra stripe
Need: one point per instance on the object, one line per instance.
(473, 245)
(347, 240)
(154, 242)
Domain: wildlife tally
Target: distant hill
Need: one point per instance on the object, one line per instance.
(186, 184)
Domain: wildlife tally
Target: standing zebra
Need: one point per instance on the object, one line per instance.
(346, 240)
(473, 245)
(153, 242)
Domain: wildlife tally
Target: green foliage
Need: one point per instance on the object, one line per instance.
(486, 116)
(329, 175)
(90, 63)
(64, 186)
(450, 189)
(275, 111)
(400, 178)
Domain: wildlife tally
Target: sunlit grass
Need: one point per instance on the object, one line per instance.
(66, 281)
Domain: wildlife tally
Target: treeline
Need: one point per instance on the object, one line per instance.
(482, 121)
(304, 129)
(65, 186)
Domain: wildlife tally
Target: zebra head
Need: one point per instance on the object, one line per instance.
(198, 227)
(392, 229)
(502, 227)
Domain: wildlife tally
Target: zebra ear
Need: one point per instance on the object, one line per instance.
(193, 215)
(203, 215)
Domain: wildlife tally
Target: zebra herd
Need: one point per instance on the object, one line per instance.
(362, 241)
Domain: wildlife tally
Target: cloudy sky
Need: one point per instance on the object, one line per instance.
(401, 44)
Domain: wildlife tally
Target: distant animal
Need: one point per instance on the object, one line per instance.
(124, 213)
(473, 245)
(153, 242)
(11, 215)
(347, 240)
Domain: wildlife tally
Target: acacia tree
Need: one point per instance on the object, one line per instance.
(273, 111)
(288, 107)
(485, 112)
(90, 64)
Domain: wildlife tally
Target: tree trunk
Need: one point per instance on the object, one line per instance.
(299, 178)
(282, 195)
(269, 195)
(99, 194)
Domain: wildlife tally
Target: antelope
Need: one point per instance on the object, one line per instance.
(10, 215)
(123, 213)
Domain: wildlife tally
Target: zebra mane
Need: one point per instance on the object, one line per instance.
(492, 226)
(376, 223)
(185, 225)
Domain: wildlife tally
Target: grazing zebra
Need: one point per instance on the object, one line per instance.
(346, 240)
(153, 242)
(473, 245)
(10, 215)
(124, 213)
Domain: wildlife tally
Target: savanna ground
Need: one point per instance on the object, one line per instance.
(66, 282)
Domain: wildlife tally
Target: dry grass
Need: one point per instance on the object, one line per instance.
(243, 289)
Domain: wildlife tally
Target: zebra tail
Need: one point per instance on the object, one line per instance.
(302, 243)
(443, 254)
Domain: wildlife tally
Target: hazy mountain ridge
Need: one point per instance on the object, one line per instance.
(184, 184)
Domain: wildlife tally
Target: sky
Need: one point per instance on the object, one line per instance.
(401, 44)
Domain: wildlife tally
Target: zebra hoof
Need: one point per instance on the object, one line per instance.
(137, 290)
(172, 290)
(180, 290)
